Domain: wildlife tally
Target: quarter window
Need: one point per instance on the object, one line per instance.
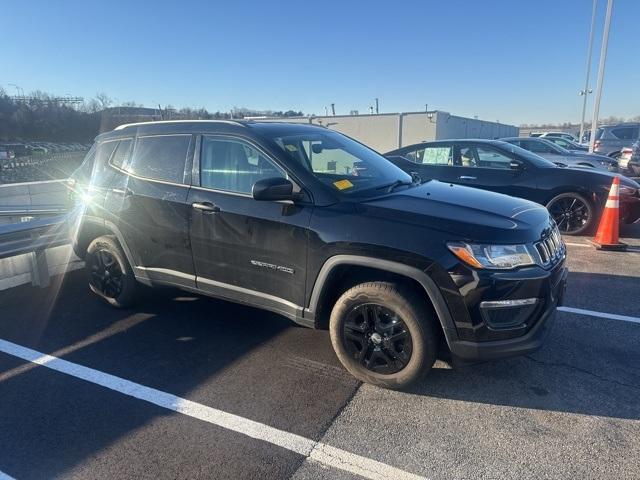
(161, 157)
(121, 154)
(233, 165)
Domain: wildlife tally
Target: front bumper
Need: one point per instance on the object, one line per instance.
(475, 339)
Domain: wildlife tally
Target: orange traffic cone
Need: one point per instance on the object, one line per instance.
(607, 235)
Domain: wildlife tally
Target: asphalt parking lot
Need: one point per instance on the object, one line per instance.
(191, 387)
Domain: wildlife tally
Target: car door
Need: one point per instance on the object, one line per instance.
(245, 249)
(150, 198)
(482, 165)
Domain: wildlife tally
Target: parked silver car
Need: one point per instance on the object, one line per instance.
(562, 156)
(611, 139)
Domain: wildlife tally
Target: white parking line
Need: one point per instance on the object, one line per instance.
(591, 313)
(318, 451)
(578, 244)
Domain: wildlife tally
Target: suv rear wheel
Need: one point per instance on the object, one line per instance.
(572, 213)
(384, 334)
(110, 275)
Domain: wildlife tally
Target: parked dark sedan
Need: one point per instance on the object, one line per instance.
(574, 196)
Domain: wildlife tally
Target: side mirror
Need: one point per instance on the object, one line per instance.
(515, 165)
(272, 189)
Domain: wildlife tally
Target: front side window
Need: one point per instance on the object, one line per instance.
(343, 164)
(490, 158)
(233, 165)
(161, 157)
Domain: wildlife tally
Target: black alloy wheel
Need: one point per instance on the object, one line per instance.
(377, 338)
(106, 274)
(572, 213)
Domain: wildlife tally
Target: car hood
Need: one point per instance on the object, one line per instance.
(586, 176)
(466, 213)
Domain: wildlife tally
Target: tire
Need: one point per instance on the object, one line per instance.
(571, 222)
(109, 274)
(394, 309)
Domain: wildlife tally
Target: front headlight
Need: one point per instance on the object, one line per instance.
(492, 256)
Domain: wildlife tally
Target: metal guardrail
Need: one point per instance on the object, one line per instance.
(32, 236)
(32, 210)
(35, 237)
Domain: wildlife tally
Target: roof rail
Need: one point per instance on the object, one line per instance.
(125, 125)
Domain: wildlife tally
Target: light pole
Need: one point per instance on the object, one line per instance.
(603, 59)
(587, 90)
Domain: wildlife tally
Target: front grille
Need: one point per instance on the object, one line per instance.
(551, 249)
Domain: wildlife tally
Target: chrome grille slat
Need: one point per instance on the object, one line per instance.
(550, 248)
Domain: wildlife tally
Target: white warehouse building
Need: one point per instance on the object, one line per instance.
(387, 131)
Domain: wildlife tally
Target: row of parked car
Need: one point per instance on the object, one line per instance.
(17, 149)
(611, 140)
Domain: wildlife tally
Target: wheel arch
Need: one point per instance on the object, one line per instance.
(93, 227)
(340, 272)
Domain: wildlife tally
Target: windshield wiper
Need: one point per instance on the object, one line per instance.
(391, 187)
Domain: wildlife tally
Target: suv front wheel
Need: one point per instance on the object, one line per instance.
(110, 275)
(384, 334)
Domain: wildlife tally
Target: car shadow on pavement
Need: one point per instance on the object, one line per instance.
(587, 365)
(234, 358)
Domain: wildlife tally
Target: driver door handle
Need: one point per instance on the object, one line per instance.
(466, 177)
(206, 207)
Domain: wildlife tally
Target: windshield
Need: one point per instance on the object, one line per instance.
(343, 164)
(536, 160)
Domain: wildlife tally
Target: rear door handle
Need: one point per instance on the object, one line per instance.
(466, 177)
(206, 207)
(126, 192)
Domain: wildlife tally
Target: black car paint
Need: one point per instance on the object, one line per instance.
(284, 256)
(532, 182)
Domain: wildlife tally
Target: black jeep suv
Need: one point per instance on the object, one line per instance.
(306, 222)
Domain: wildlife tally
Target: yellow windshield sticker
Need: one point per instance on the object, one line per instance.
(343, 184)
(291, 148)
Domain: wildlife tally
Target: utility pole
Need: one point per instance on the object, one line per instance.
(587, 90)
(377, 111)
(603, 59)
(333, 109)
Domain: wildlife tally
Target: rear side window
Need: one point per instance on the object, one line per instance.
(625, 133)
(121, 154)
(161, 157)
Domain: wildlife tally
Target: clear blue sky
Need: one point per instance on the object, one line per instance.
(517, 61)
